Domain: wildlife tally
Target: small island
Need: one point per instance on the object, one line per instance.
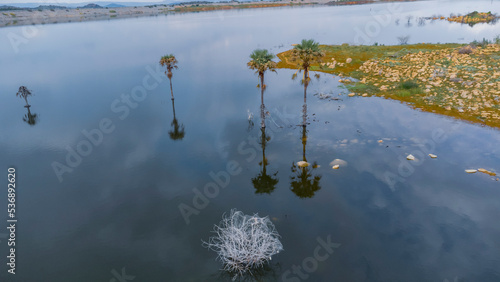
(474, 18)
(456, 80)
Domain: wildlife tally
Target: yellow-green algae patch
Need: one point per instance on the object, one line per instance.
(449, 79)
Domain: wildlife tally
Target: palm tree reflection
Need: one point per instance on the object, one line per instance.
(177, 131)
(30, 118)
(24, 93)
(303, 183)
(263, 182)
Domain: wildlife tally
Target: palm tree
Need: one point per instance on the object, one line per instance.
(262, 62)
(24, 92)
(264, 183)
(305, 55)
(178, 130)
(170, 62)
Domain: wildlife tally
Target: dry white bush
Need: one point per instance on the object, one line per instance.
(244, 242)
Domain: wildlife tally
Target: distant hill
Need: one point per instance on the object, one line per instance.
(114, 5)
(50, 7)
(91, 6)
(6, 8)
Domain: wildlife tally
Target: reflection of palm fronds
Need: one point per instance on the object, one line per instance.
(30, 118)
(303, 183)
(178, 130)
(264, 183)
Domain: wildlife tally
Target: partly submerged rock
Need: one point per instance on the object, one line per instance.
(486, 171)
(335, 167)
(338, 162)
(433, 156)
(303, 164)
(471, 170)
(410, 157)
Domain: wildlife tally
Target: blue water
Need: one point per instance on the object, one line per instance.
(115, 209)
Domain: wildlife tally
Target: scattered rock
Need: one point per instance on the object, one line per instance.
(303, 164)
(351, 94)
(486, 171)
(349, 60)
(338, 162)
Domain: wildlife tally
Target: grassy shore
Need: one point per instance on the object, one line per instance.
(450, 79)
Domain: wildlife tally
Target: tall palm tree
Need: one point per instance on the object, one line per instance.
(262, 62)
(24, 92)
(178, 130)
(263, 182)
(170, 62)
(305, 55)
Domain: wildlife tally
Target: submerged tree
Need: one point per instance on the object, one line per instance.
(24, 92)
(177, 132)
(244, 243)
(264, 183)
(170, 62)
(262, 62)
(305, 55)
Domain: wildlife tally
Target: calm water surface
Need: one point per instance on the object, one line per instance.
(118, 210)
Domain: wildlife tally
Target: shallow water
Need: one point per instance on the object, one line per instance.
(395, 220)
